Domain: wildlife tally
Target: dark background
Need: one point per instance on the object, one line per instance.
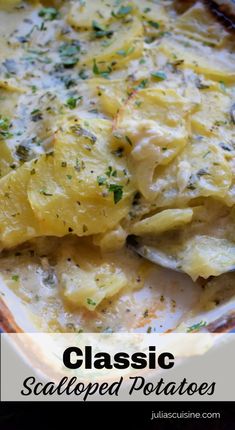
(111, 415)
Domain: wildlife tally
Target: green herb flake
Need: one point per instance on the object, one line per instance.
(49, 13)
(142, 84)
(69, 53)
(101, 180)
(100, 30)
(125, 52)
(117, 191)
(71, 102)
(154, 24)
(91, 302)
(110, 172)
(196, 327)
(97, 71)
(34, 89)
(80, 131)
(161, 76)
(122, 11)
(5, 125)
(15, 278)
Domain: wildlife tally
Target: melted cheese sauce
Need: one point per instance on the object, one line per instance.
(57, 64)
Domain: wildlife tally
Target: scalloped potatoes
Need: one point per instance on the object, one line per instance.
(117, 119)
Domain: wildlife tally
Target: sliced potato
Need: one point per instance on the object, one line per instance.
(198, 255)
(202, 59)
(124, 45)
(152, 12)
(85, 278)
(6, 159)
(88, 289)
(208, 256)
(154, 125)
(9, 96)
(198, 23)
(201, 170)
(17, 220)
(154, 121)
(82, 15)
(83, 188)
(111, 94)
(214, 112)
(162, 221)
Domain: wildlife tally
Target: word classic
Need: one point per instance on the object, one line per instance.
(74, 358)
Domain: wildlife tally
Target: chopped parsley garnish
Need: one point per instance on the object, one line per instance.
(97, 71)
(5, 125)
(125, 52)
(110, 172)
(49, 13)
(101, 180)
(34, 89)
(142, 84)
(159, 75)
(154, 24)
(71, 102)
(122, 11)
(36, 115)
(15, 278)
(80, 131)
(100, 30)
(196, 327)
(69, 53)
(117, 191)
(91, 302)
